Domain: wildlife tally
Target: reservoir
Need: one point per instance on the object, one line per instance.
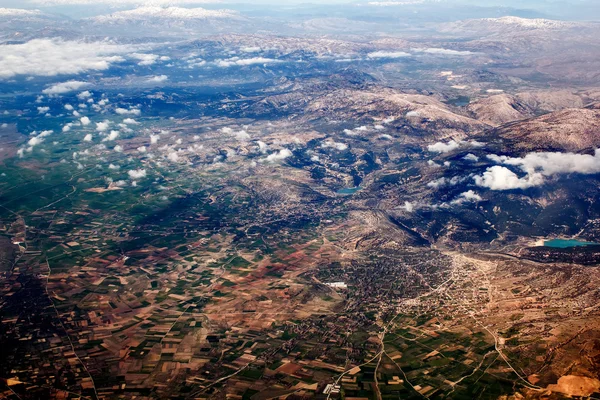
(566, 243)
(349, 191)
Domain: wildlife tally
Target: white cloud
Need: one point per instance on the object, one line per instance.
(471, 157)
(154, 139)
(130, 121)
(43, 110)
(356, 131)
(245, 61)
(68, 107)
(137, 173)
(118, 148)
(113, 166)
(141, 149)
(441, 147)
(262, 146)
(88, 137)
(549, 164)
(335, 145)
(113, 135)
(158, 78)
(537, 166)
(34, 141)
(441, 182)
(388, 54)
(502, 178)
(84, 95)
(85, 121)
(469, 196)
(145, 59)
(67, 127)
(124, 111)
(102, 126)
(64, 87)
(408, 206)
(50, 57)
(278, 156)
(173, 156)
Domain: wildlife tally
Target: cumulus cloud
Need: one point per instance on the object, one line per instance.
(549, 164)
(50, 57)
(502, 178)
(356, 131)
(102, 126)
(452, 145)
(34, 141)
(84, 95)
(469, 196)
(173, 156)
(85, 121)
(440, 147)
(537, 167)
(278, 156)
(137, 173)
(441, 182)
(262, 146)
(145, 59)
(43, 110)
(124, 111)
(130, 121)
(113, 135)
(471, 157)
(388, 54)
(158, 78)
(64, 87)
(240, 135)
(236, 61)
(88, 137)
(335, 145)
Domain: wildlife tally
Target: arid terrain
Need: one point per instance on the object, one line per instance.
(233, 201)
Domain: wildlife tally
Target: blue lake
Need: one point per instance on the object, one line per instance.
(348, 191)
(566, 243)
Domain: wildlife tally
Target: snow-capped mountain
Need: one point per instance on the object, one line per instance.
(536, 23)
(145, 14)
(17, 12)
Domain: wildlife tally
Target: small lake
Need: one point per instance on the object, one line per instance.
(566, 243)
(348, 191)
